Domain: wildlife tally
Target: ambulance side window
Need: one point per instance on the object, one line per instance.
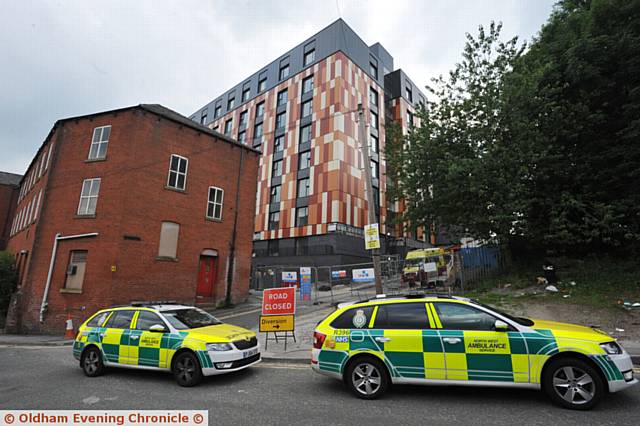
(354, 318)
(402, 316)
(146, 319)
(456, 316)
(98, 320)
(120, 319)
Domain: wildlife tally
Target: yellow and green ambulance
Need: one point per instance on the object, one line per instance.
(445, 340)
(184, 340)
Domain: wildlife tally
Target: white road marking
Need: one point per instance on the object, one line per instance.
(283, 366)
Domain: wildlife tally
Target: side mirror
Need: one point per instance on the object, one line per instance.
(501, 326)
(158, 328)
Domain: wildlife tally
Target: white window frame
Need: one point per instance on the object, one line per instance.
(99, 143)
(178, 172)
(214, 203)
(91, 182)
(35, 213)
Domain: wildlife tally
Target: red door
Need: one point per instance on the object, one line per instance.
(206, 276)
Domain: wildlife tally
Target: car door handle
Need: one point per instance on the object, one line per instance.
(134, 337)
(101, 334)
(383, 339)
(452, 340)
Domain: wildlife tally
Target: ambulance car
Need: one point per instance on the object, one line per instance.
(184, 340)
(445, 340)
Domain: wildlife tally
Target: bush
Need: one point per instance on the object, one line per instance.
(8, 281)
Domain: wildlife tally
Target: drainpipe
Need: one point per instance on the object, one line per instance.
(58, 237)
(232, 244)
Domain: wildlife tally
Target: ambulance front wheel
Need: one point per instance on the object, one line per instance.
(573, 383)
(367, 377)
(186, 369)
(91, 362)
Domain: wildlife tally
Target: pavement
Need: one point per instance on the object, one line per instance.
(281, 393)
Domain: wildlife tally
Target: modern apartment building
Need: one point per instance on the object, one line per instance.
(138, 203)
(300, 112)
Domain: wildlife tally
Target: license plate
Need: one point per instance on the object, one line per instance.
(250, 352)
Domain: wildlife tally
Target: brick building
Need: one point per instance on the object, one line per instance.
(299, 111)
(138, 203)
(9, 189)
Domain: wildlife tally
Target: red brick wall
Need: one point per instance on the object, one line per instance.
(133, 201)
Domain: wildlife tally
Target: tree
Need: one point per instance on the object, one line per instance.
(8, 281)
(541, 145)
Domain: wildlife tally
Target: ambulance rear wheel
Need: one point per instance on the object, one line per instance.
(367, 378)
(573, 383)
(91, 362)
(186, 369)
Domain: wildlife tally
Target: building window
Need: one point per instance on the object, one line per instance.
(169, 240)
(282, 97)
(374, 169)
(262, 81)
(274, 220)
(243, 118)
(284, 71)
(246, 93)
(302, 216)
(228, 125)
(408, 92)
(260, 110)
(217, 111)
(215, 128)
(278, 143)
(307, 108)
(242, 137)
(303, 187)
(275, 194)
(409, 119)
(99, 142)
(307, 84)
(273, 247)
(75, 270)
(231, 103)
(374, 120)
(373, 97)
(89, 197)
(305, 134)
(203, 117)
(304, 160)
(373, 68)
(177, 172)
(280, 120)
(257, 131)
(309, 57)
(373, 143)
(214, 203)
(276, 169)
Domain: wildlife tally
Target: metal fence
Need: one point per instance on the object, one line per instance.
(334, 284)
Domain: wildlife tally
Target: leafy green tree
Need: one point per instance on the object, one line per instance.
(8, 281)
(538, 145)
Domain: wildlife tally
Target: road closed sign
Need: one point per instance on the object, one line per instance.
(279, 301)
(275, 323)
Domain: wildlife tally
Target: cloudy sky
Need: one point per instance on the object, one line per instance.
(65, 58)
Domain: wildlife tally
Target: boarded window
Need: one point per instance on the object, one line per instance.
(76, 269)
(169, 240)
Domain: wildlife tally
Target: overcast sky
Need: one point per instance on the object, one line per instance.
(64, 58)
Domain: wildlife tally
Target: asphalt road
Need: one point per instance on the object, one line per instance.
(269, 394)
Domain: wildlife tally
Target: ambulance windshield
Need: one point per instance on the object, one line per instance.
(183, 319)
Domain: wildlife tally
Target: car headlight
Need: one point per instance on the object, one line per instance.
(218, 347)
(611, 348)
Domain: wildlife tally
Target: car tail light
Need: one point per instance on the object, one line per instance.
(318, 340)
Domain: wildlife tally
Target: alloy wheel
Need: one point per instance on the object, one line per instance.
(366, 379)
(574, 385)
